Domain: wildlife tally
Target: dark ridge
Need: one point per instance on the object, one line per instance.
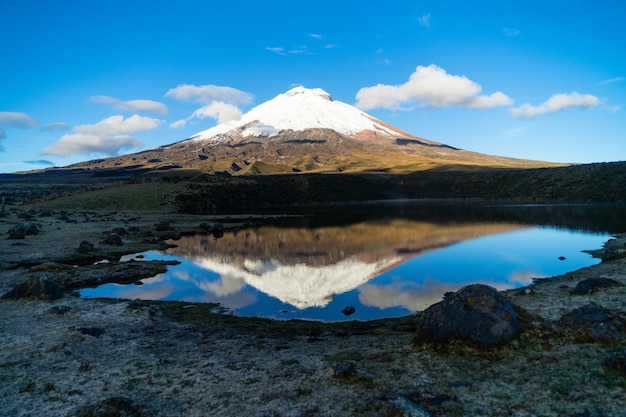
(242, 144)
(309, 141)
(404, 142)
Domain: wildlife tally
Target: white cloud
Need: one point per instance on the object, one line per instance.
(55, 126)
(555, 103)
(316, 36)
(179, 124)
(218, 110)
(108, 136)
(430, 86)
(424, 20)
(17, 119)
(510, 32)
(220, 102)
(276, 49)
(206, 94)
(132, 105)
(612, 80)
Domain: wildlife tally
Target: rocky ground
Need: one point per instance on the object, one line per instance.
(65, 356)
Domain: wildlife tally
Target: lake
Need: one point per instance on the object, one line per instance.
(385, 259)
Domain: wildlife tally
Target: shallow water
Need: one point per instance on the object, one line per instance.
(385, 260)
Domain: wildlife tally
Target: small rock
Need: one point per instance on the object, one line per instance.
(16, 234)
(119, 231)
(85, 247)
(60, 310)
(561, 258)
(41, 287)
(162, 227)
(587, 286)
(348, 311)
(613, 253)
(345, 370)
(113, 239)
(111, 407)
(410, 407)
(616, 362)
(91, 331)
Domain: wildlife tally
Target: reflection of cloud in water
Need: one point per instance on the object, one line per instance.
(410, 295)
(416, 297)
(231, 301)
(147, 292)
(225, 285)
(524, 277)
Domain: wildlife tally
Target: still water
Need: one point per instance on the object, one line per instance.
(384, 259)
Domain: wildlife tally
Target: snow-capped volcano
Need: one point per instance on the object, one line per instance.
(305, 131)
(300, 109)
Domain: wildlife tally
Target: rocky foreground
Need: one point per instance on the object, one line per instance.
(555, 348)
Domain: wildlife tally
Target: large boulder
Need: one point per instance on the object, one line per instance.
(592, 323)
(476, 313)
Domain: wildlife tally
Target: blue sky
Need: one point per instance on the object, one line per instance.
(536, 79)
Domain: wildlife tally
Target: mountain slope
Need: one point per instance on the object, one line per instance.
(305, 130)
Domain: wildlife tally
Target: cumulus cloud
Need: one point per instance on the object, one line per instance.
(555, 103)
(179, 124)
(220, 102)
(17, 119)
(206, 94)
(430, 86)
(55, 126)
(223, 112)
(424, 20)
(132, 105)
(108, 136)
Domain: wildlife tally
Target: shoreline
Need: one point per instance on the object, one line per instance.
(73, 357)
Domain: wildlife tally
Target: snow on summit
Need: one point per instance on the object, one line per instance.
(298, 109)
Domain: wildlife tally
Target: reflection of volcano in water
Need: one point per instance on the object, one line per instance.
(306, 267)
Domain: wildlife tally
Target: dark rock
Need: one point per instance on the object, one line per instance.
(16, 234)
(162, 227)
(60, 310)
(119, 231)
(91, 331)
(561, 258)
(39, 287)
(85, 247)
(612, 253)
(345, 370)
(591, 323)
(410, 407)
(587, 286)
(616, 362)
(348, 311)
(23, 230)
(133, 229)
(477, 313)
(111, 407)
(113, 239)
(45, 213)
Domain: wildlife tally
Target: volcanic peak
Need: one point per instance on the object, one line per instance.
(298, 109)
